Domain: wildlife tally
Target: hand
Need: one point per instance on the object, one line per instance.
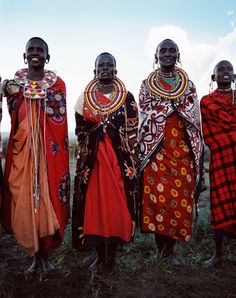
(9, 87)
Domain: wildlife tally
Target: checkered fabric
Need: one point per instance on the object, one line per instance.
(219, 131)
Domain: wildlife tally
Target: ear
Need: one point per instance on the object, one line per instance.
(234, 77)
(95, 73)
(24, 56)
(178, 57)
(115, 71)
(156, 58)
(48, 57)
(213, 78)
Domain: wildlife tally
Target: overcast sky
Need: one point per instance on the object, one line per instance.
(77, 31)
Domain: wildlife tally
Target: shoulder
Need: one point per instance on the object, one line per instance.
(191, 86)
(60, 82)
(206, 99)
(129, 96)
(79, 104)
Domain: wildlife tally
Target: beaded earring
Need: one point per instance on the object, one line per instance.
(233, 91)
(155, 65)
(178, 61)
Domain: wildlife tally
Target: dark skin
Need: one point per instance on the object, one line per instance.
(36, 55)
(105, 71)
(167, 53)
(224, 76)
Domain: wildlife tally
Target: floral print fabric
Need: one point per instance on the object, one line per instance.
(168, 193)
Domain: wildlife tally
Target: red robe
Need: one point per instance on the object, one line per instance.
(53, 124)
(219, 132)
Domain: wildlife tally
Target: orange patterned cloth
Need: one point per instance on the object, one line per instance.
(168, 195)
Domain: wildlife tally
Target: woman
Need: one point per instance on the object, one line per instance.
(218, 110)
(105, 184)
(36, 205)
(170, 151)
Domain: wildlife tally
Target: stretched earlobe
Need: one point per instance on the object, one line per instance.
(213, 78)
(95, 75)
(24, 57)
(48, 59)
(178, 58)
(155, 62)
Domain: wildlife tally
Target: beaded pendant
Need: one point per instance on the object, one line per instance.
(35, 89)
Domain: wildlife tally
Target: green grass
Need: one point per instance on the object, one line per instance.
(142, 253)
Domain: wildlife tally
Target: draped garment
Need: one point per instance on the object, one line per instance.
(219, 132)
(157, 107)
(37, 223)
(167, 201)
(106, 177)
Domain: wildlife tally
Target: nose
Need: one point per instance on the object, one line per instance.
(105, 67)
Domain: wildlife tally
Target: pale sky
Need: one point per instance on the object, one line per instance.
(77, 31)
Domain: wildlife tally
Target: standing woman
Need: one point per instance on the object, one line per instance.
(170, 151)
(218, 111)
(105, 184)
(36, 205)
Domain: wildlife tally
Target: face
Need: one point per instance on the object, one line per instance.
(167, 54)
(224, 73)
(105, 68)
(36, 54)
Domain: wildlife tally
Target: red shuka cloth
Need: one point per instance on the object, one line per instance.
(106, 210)
(168, 194)
(57, 156)
(219, 131)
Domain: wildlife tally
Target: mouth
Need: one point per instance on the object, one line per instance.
(35, 59)
(226, 77)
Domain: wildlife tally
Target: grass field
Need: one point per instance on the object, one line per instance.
(144, 273)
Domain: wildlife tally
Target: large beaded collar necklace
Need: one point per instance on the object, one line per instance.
(35, 89)
(117, 97)
(168, 85)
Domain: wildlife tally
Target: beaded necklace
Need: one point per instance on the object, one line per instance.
(102, 105)
(168, 85)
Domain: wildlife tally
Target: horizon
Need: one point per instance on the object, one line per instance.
(77, 31)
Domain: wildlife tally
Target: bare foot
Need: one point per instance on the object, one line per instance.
(96, 266)
(46, 265)
(34, 266)
(212, 262)
(175, 262)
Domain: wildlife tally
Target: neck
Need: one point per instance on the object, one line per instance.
(35, 74)
(105, 88)
(224, 87)
(167, 73)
